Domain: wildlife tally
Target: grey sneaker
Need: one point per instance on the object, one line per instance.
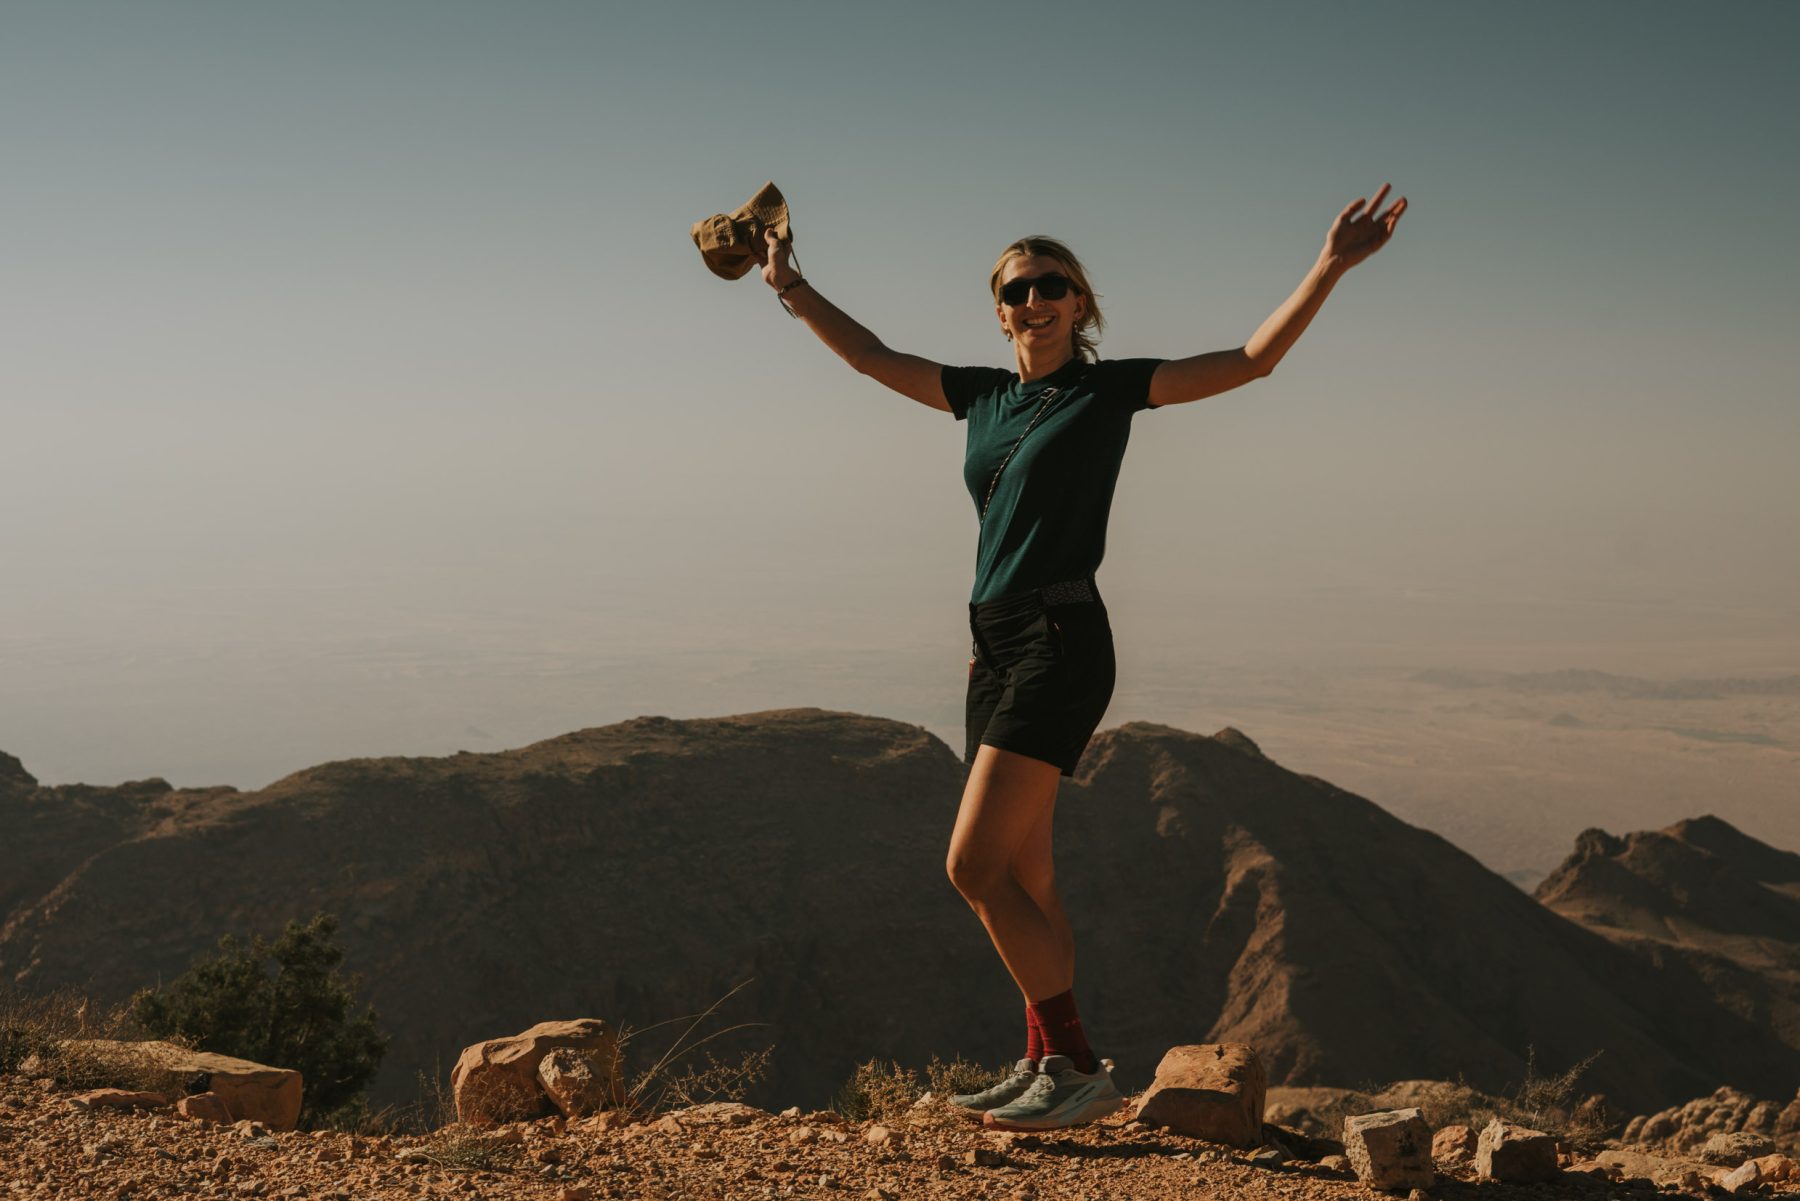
(973, 1105)
(1060, 1096)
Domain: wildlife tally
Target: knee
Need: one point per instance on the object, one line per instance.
(974, 874)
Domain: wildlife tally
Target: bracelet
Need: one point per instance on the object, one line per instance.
(783, 290)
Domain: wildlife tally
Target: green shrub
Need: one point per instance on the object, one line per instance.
(291, 1013)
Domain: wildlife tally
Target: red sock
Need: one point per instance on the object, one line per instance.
(1061, 1026)
(1034, 1035)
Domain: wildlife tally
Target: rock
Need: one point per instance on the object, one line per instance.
(803, 1135)
(205, 1107)
(879, 1136)
(568, 1077)
(1684, 1129)
(1514, 1153)
(1658, 1169)
(1730, 1150)
(1788, 1120)
(248, 1090)
(576, 1192)
(120, 1098)
(1418, 1194)
(1269, 1156)
(1390, 1150)
(1744, 1176)
(1453, 1145)
(983, 1157)
(1778, 1168)
(1212, 1091)
(497, 1081)
(1335, 1163)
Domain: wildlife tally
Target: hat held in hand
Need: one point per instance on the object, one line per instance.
(725, 239)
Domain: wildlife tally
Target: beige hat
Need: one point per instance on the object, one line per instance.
(725, 239)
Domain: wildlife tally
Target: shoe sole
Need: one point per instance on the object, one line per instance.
(1098, 1108)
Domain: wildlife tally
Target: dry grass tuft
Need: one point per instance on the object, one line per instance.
(64, 1035)
(886, 1090)
(460, 1146)
(673, 1079)
(1549, 1103)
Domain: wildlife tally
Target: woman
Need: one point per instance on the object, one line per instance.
(1045, 442)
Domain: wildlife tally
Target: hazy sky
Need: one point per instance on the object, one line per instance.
(363, 392)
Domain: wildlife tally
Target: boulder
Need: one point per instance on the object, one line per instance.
(1213, 1091)
(1390, 1149)
(1514, 1153)
(568, 1077)
(205, 1107)
(1744, 1176)
(497, 1081)
(249, 1091)
(1778, 1168)
(1453, 1146)
(1730, 1150)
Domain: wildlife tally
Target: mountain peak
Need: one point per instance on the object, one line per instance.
(14, 779)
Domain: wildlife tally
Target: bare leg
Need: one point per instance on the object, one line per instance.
(1007, 795)
(1035, 869)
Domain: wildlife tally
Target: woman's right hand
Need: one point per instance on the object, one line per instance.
(777, 259)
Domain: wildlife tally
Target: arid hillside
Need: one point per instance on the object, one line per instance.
(640, 870)
(1704, 895)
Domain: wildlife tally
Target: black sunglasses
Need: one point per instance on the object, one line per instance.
(1050, 287)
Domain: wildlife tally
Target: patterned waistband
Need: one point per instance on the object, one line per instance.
(1064, 592)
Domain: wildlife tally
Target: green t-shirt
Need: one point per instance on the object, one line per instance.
(1047, 520)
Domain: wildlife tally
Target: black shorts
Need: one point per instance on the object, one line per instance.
(1040, 673)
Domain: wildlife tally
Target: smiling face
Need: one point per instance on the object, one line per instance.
(1040, 325)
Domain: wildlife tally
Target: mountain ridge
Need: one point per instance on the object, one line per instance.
(642, 869)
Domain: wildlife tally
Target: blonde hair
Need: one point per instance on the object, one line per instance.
(1088, 328)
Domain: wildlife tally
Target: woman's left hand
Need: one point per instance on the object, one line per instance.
(1355, 237)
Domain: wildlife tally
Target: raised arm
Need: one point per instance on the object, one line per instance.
(907, 374)
(1350, 240)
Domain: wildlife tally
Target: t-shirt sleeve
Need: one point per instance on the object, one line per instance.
(1128, 381)
(963, 386)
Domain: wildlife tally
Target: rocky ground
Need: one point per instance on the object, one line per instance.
(53, 1145)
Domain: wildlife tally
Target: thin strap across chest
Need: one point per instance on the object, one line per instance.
(1051, 397)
